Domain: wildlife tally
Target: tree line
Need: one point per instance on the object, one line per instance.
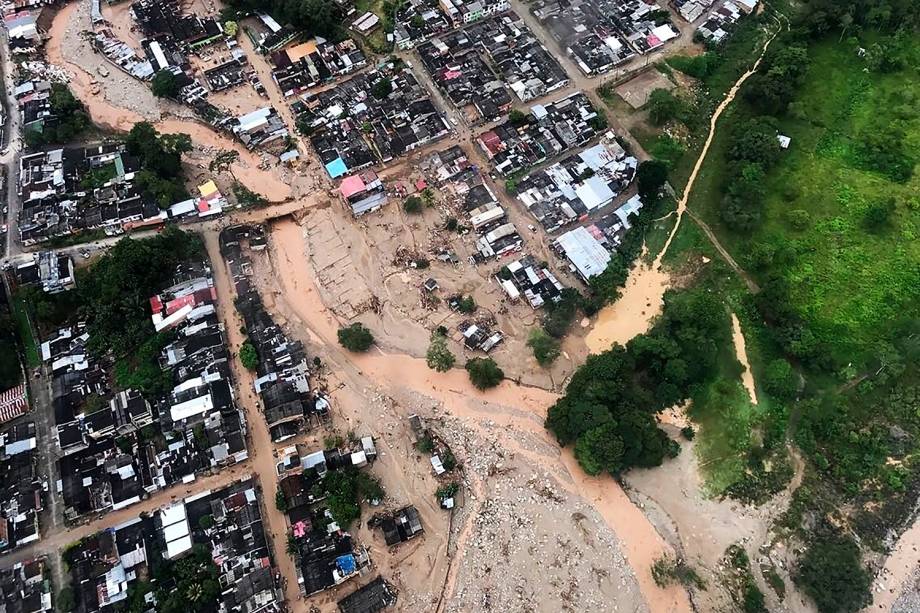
(609, 407)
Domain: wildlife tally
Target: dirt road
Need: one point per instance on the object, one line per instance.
(261, 448)
(641, 300)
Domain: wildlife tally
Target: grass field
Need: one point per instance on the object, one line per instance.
(848, 279)
(24, 329)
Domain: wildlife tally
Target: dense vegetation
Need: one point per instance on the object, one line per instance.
(827, 230)
(160, 156)
(609, 407)
(115, 290)
(68, 122)
(831, 573)
(344, 490)
(317, 17)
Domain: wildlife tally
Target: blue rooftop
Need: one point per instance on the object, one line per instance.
(336, 168)
(346, 563)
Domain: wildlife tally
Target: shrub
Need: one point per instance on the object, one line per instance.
(439, 357)
(484, 373)
(356, 337)
(412, 205)
(688, 432)
(545, 348)
(667, 570)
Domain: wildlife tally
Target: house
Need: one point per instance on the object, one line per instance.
(400, 526)
(586, 254)
(363, 193)
(375, 596)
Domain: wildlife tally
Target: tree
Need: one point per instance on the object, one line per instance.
(223, 161)
(412, 205)
(439, 357)
(65, 600)
(663, 106)
(484, 373)
(606, 286)
(466, 305)
(878, 214)
(356, 337)
(780, 380)
(165, 84)
(560, 314)
(600, 449)
(545, 348)
(115, 291)
(651, 177)
(517, 118)
(247, 198)
(206, 522)
(281, 502)
(755, 141)
(231, 28)
(70, 119)
(249, 357)
(382, 88)
(832, 574)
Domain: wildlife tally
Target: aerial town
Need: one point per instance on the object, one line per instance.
(459, 305)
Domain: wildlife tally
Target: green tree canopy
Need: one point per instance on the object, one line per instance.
(165, 84)
(832, 574)
(484, 372)
(249, 357)
(439, 357)
(545, 348)
(356, 337)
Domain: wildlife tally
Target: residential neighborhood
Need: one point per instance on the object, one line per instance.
(458, 305)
